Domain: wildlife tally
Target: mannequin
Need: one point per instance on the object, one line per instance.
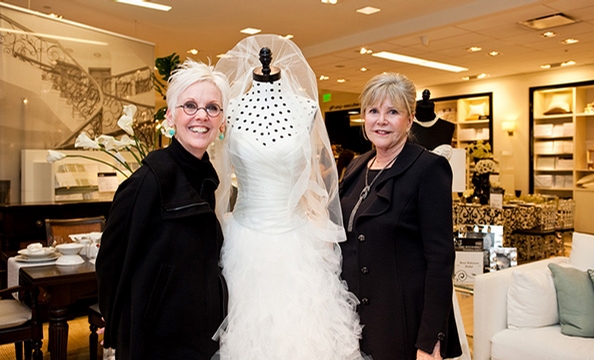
(280, 255)
(428, 129)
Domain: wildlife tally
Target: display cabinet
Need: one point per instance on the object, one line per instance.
(562, 144)
(472, 114)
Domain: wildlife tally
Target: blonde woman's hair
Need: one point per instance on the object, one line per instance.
(397, 88)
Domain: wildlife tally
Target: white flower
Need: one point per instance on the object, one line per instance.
(120, 157)
(125, 141)
(166, 130)
(126, 120)
(484, 166)
(84, 141)
(53, 156)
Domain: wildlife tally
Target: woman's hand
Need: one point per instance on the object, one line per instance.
(421, 355)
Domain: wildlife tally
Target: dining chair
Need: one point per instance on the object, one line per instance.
(20, 324)
(95, 323)
(57, 230)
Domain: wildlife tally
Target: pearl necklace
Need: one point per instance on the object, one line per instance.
(366, 189)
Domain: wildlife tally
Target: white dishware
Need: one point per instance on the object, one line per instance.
(70, 260)
(26, 259)
(78, 237)
(69, 248)
(69, 253)
(42, 253)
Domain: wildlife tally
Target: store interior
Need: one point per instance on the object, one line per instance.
(523, 84)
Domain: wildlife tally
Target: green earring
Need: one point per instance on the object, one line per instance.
(221, 136)
(171, 132)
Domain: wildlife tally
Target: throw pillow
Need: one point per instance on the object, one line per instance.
(582, 248)
(531, 299)
(575, 296)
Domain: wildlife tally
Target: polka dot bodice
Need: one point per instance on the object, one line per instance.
(267, 114)
(268, 134)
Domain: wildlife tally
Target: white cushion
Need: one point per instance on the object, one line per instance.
(531, 299)
(582, 251)
(13, 313)
(545, 343)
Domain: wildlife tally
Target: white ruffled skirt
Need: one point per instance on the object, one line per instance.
(286, 299)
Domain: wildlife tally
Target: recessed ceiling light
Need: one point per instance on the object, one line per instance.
(145, 4)
(324, 77)
(474, 49)
(416, 61)
(569, 41)
(341, 81)
(363, 69)
(494, 53)
(368, 10)
(332, 2)
(193, 51)
(364, 51)
(548, 21)
(250, 31)
(556, 65)
(475, 77)
(548, 34)
(288, 36)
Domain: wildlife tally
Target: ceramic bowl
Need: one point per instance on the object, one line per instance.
(69, 248)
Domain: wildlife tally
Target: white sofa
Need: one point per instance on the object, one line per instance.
(514, 333)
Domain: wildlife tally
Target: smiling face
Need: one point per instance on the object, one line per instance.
(387, 127)
(196, 132)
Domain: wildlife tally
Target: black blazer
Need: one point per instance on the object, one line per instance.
(157, 267)
(399, 257)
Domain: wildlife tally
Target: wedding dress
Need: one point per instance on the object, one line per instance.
(286, 299)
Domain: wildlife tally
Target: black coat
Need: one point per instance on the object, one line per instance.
(157, 267)
(399, 257)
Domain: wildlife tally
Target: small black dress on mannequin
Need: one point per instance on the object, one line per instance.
(428, 129)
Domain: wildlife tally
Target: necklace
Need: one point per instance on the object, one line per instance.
(366, 189)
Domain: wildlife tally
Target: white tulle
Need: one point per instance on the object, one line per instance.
(280, 255)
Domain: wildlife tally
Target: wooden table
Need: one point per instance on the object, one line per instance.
(63, 285)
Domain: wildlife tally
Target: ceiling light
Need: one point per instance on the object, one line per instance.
(548, 21)
(250, 31)
(556, 65)
(193, 51)
(364, 51)
(475, 77)
(416, 61)
(494, 53)
(332, 2)
(569, 41)
(324, 77)
(145, 4)
(368, 10)
(363, 69)
(341, 81)
(288, 36)
(474, 49)
(548, 34)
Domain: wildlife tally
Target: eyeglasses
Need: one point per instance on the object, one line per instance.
(191, 108)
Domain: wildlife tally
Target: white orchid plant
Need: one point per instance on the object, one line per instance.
(112, 146)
